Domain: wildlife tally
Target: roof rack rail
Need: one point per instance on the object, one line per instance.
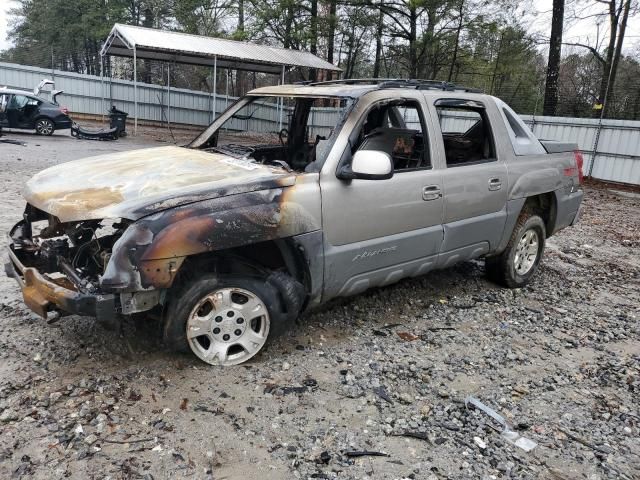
(418, 84)
(355, 81)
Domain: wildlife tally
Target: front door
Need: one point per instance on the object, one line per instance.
(379, 231)
(475, 181)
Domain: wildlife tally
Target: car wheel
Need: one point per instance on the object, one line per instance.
(223, 320)
(515, 266)
(44, 126)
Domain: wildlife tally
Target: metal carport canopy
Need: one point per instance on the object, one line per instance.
(175, 47)
(153, 44)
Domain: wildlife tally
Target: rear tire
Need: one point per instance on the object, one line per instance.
(44, 126)
(224, 319)
(517, 264)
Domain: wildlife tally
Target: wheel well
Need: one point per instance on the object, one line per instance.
(258, 258)
(544, 205)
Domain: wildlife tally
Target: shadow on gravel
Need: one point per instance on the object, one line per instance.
(140, 338)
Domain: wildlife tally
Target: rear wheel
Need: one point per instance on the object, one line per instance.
(44, 126)
(223, 320)
(515, 266)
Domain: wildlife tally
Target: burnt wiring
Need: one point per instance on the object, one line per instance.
(84, 246)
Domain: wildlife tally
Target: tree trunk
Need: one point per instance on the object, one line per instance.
(331, 40)
(413, 28)
(313, 47)
(617, 55)
(553, 66)
(635, 115)
(495, 68)
(241, 18)
(454, 58)
(286, 41)
(606, 69)
(240, 75)
(379, 31)
(427, 66)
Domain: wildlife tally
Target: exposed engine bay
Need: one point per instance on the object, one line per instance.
(73, 254)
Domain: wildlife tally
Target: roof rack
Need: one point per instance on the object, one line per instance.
(418, 84)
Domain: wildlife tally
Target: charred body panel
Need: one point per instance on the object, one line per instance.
(152, 250)
(135, 184)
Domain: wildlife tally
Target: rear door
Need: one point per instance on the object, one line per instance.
(474, 180)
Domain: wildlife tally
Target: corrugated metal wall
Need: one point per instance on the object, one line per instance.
(618, 156)
(83, 94)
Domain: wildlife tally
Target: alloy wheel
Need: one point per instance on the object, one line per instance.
(228, 326)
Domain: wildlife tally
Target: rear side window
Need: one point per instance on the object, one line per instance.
(466, 134)
(18, 101)
(524, 142)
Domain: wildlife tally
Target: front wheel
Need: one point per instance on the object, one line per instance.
(515, 266)
(223, 320)
(44, 126)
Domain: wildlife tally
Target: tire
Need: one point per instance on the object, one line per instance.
(517, 264)
(45, 126)
(231, 332)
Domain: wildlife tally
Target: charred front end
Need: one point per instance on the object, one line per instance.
(59, 265)
(109, 268)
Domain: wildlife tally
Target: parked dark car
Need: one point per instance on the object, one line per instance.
(22, 109)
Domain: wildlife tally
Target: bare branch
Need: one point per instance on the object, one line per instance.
(593, 51)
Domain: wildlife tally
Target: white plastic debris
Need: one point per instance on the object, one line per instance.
(508, 433)
(481, 443)
(78, 430)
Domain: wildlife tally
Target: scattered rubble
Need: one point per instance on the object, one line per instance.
(345, 396)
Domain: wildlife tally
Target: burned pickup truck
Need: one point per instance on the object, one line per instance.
(293, 196)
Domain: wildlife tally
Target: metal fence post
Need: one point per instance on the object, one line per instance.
(215, 83)
(595, 148)
(135, 92)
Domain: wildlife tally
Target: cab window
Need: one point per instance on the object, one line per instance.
(396, 128)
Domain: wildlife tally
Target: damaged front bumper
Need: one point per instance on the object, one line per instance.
(45, 295)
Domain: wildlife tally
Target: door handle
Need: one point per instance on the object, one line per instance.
(495, 184)
(431, 192)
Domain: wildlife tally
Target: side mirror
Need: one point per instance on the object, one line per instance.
(368, 165)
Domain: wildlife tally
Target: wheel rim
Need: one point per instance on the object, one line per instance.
(228, 326)
(44, 127)
(527, 252)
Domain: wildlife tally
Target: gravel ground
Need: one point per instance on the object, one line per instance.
(385, 372)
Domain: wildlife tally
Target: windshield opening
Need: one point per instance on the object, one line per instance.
(292, 132)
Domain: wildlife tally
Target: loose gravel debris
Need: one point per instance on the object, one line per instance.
(371, 387)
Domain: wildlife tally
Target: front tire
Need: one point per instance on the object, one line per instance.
(517, 264)
(45, 126)
(223, 320)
